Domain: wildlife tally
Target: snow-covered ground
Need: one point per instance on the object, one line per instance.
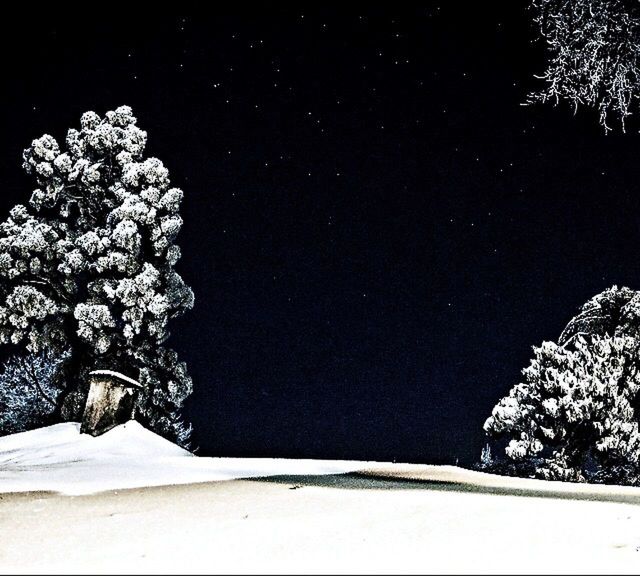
(65, 509)
(60, 459)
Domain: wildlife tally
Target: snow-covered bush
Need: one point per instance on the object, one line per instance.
(29, 390)
(593, 49)
(88, 265)
(486, 460)
(574, 416)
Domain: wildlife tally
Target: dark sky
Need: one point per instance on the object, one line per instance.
(376, 230)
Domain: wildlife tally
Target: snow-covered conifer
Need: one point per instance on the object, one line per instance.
(574, 414)
(88, 265)
(601, 315)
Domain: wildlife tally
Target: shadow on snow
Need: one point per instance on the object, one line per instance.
(367, 481)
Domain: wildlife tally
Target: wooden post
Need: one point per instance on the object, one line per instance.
(110, 401)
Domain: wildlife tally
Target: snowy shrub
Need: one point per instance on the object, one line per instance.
(486, 460)
(29, 390)
(593, 49)
(88, 265)
(574, 414)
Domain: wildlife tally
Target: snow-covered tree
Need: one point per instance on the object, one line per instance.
(575, 414)
(610, 312)
(29, 390)
(89, 265)
(593, 54)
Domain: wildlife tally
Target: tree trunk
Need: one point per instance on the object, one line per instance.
(110, 402)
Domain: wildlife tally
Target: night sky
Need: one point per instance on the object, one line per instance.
(376, 229)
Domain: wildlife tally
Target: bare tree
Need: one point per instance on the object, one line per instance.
(29, 390)
(593, 49)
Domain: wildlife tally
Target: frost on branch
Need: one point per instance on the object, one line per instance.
(601, 315)
(29, 389)
(593, 54)
(574, 414)
(88, 265)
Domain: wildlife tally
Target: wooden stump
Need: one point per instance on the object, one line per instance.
(110, 401)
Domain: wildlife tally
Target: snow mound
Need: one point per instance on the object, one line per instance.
(63, 443)
(60, 459)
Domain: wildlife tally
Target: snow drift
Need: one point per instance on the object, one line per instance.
(60, 459)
